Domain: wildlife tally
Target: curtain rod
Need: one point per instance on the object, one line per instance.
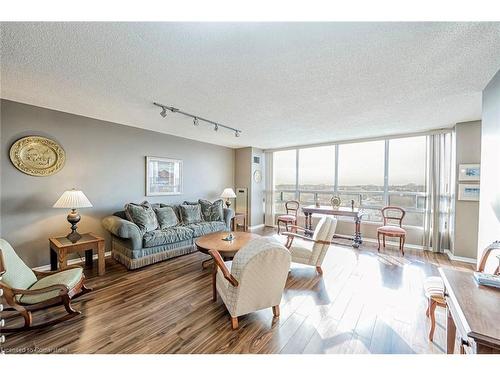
(359, 140)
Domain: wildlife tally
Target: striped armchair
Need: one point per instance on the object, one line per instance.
(254, 280)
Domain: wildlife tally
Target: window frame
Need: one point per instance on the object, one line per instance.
(386, 193)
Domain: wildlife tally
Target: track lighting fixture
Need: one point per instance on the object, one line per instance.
(196, 119)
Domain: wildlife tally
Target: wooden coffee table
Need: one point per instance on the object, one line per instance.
(227, 249)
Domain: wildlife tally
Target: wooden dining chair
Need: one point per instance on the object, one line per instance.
(290, 218)
(390, 214)
(434, 286)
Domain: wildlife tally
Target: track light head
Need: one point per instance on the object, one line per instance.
(195, 121)
(216, 127)
(163, 112)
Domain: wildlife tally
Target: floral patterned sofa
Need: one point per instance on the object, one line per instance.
(143, 234)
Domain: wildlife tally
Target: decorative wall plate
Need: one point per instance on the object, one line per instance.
(37, 156)
(335, 201)
(257, 176)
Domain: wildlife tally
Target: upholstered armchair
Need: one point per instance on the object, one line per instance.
(254, 280)
(311, 250)
(26, 290)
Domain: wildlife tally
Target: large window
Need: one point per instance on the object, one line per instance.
(285, 178)
(316, 174)
(372, 174)
(406, 177)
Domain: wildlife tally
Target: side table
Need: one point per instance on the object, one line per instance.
(238, 216)
(60, 247)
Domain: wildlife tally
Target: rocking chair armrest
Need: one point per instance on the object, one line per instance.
(291, 235)
(219, 262)
(48, 273)
(32, 292)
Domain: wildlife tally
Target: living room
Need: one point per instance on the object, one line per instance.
(250, 187)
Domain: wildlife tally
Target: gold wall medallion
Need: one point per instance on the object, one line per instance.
(37, 156)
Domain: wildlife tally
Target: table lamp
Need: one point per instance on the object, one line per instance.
(227, 194)
(73, 199)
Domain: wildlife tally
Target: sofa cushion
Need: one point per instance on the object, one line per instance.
(206, 227)
(142, 215)
(166, 217)
(212, 211)
(167, 236)
(190, 213)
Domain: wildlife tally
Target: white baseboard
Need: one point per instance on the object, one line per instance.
(71, 262)
(256, 227)
(451, 256)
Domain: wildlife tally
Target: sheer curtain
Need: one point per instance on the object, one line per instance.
(269, 192)
(439, 210)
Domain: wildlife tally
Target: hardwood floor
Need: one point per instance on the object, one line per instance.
(365, 302)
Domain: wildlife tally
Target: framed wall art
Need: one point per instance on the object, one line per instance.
(163, 176)
(468, 172)
(468, 192)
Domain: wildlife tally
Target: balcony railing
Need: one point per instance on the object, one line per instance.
(370, 201)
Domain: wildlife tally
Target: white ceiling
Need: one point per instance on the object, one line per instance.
(281, 84)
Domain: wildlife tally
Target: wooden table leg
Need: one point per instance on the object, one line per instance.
(62, 259)
(101, 262)
(89, 258)
(357, 240)
(451, 330)
(53, 259)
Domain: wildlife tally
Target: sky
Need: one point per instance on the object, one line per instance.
(359, 163)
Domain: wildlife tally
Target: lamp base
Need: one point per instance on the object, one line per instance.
(73, 218)
(74, 236)
(228, 203)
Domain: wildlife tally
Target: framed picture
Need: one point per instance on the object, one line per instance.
(163, 176)
(468, 192)
(468, 172)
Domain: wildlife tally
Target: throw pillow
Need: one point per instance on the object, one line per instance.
(142, 215)
(212, 211)
(190, 213)
(166, 217)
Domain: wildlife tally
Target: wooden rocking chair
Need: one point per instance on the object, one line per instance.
(26, 290)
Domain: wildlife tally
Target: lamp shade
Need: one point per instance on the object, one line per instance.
(73, 199)
(228, 193)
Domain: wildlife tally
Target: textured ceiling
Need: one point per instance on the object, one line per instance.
(282, 84)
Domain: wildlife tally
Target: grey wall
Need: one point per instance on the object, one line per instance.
(489, 204)
(105, 160)
(468, 151)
